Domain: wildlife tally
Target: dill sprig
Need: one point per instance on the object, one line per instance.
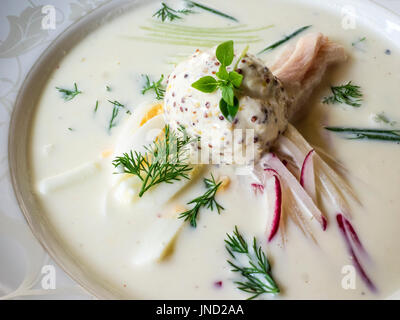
(206, 200)
(158, 87)
(349, 94)
(192, 4)
(163, 161)
(257, 274)
(285, 39)
(367, 134)
(116, 107)
(69, 94)
(167, 13)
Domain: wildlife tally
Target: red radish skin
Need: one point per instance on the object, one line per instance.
(304, 166)
(272, 162)
(353, 234)
(271, 171)
(341, 223)
(307, 175)
(324, 223)
(277, 205)
(277, 210)
(258, 188)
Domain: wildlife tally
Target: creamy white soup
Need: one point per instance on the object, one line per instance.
(136, 239)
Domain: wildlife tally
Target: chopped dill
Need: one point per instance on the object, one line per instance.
(108, 88)
(349, 94)
(355, 43)
(116, 107)
(165, 160)
(257, 273)
(116, 103)
(192, 4)
(69, 94)
(97, 106)
(167, 13)
(158, 87)
(285, 39)
(206, 200)
(367, 134)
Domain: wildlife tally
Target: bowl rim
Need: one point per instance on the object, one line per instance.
(40, 62)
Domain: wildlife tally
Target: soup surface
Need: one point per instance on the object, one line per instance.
(74, 143)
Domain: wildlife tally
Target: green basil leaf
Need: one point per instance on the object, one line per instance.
(223, 106)
(229, 112)
(225, 53)
(222, 73)
(206, 84)
(235, 78)
(233, 109)
(228, 94)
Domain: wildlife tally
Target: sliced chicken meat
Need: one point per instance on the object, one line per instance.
(301, 67)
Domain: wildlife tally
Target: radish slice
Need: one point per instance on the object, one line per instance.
(274, 193)
(332, 192)
(271, 161)
(320, 165)
(258, 188)
(334, 188)
(286, 146)
(307, 176)
(353, 235)
(271, 171)
(341, 223)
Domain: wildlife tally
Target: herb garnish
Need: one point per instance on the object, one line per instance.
(367, 134)
(97, 106)
(381, 117)
(192, 4)
(227, 81)
(158, 88)
(258, 277)
(116, 106)
(355, 43)
(108, 88)
(194, 36)
(349, 94)
(167, 13)
(163, 161)
(69, 94)
(206, 200)
(287, 38)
